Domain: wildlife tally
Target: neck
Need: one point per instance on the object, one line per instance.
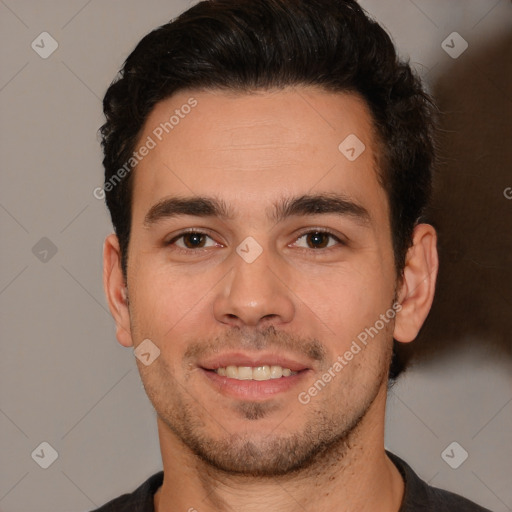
(354, 475)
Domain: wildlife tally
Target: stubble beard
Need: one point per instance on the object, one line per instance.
(327, 434)
(325, 438)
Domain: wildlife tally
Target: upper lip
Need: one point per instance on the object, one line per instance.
(260, 359)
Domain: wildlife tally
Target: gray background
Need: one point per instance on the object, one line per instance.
(63, 377)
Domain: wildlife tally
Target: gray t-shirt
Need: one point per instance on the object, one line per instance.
(418, 495)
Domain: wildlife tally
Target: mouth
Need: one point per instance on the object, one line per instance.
(265, 372)
(253, 378)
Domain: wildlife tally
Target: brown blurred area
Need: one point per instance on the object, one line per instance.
(473, 302)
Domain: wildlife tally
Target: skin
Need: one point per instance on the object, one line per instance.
(305, 297)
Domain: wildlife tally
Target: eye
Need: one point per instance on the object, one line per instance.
(318, 239)
(192, 240)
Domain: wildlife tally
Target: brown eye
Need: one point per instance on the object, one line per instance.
(317, 240)
(192, 240)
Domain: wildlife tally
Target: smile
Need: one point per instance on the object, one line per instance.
(264, 372)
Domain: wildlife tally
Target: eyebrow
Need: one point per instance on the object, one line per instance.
(309, 204)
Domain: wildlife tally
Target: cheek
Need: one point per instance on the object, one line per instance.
(347, 301)
(165, 301)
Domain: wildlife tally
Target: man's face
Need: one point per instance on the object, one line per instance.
(274, 283)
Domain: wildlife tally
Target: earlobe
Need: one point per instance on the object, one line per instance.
(418, 283)
(116, 290)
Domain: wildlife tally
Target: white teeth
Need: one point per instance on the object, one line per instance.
(244, 373)
(261, 373)
(265, 372)
(276, 372)
(232, 372)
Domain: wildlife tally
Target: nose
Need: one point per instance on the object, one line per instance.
(255, 294)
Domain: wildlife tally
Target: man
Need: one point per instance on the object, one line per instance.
(267, 166)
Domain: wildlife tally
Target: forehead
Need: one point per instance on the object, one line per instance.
(254, 147)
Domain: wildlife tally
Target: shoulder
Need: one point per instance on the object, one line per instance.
(140, 500)
(421, 497)
(446, 501)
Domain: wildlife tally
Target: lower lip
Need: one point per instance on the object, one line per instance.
(253, 389)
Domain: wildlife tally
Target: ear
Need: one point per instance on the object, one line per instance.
(115, 290)
(418, 283)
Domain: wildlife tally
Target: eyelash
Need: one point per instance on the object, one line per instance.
(339, 241)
